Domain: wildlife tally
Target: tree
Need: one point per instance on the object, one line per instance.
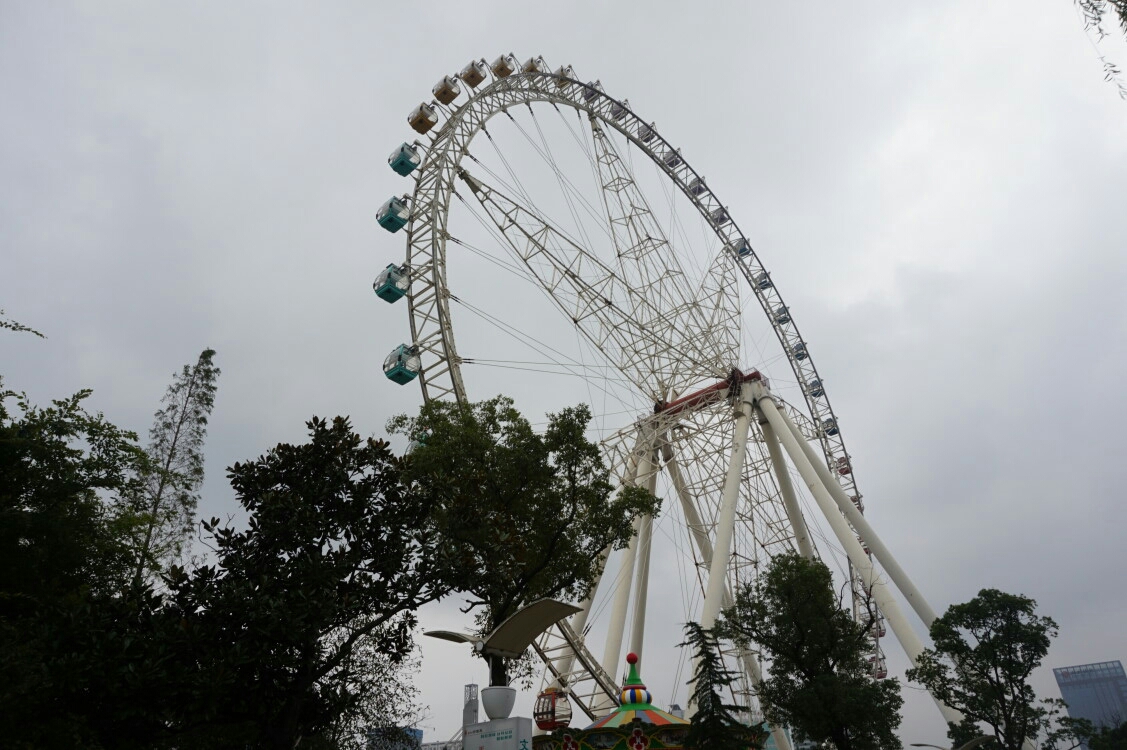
(522, 515)
(984, 652)
(15, 325)
(63, 562)
(166, 505)
(818, 682)
(1095, 13)
(715, 725)
(337, 555)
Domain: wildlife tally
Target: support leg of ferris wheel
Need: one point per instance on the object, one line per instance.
(612, 651)
(883, 598)
(726, 523)
(861, 525)
(786, 489)
(747, 659)
(645, 537)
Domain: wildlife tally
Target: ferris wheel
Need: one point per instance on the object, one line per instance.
(560, 248)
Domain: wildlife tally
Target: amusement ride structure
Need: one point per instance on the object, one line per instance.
(555, 234)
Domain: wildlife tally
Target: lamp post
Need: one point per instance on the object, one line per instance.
(969, 746)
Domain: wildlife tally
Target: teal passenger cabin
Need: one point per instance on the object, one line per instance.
(393, 215)
(405, 159)
(392, 283)
(403, 364)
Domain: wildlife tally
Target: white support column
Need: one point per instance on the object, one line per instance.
(579, 619)
(613, 649)
(726, 524)
(642, 581)
(861, 525)
(703, 544)
(845, 536)
(786, 489)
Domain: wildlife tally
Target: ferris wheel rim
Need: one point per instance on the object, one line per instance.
(595, 103)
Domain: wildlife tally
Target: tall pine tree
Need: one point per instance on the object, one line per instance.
(715, 725)
(166, 506)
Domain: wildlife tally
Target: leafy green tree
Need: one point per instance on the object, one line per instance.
(166, 505)
(337, 556)
(523, 515)
(63, 562)
(818, 682)
(985, 651)
(715, 725)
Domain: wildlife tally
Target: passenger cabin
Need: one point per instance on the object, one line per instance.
(567, 74)
(742, 249)
(422, 118)
(392, 283)
(405, 159)
(697, 186)
(447, 89)
(829, 426)
(403, 364)
(503, 66)
(782, 315)
(534, 65)
(856, 500)
(473, 74)
(799, 351)
(672, 159)
(815, 389)
(763, 280)
(552, 710)
(592, 90)
(646, 132)
(844, 467)
(720, 216)
(617, 111)
(393, 215)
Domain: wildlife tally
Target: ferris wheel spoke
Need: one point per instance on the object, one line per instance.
(586, 289)
(646, 260)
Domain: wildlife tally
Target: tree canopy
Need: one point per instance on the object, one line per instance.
(165, 507)
(985, 651)
(523, 515)
(818, 682)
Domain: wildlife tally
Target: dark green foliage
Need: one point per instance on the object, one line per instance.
(166, 505)
(297, 632)
(14, 325)
(1095, 11)
(67, 638)
(984, 652)
(1108, 738)
(523, 515)
(818, 682)
(337, 556)
(715, 725)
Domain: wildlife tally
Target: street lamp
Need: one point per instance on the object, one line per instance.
(969, 746)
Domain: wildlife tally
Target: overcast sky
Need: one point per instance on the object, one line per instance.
(939, 189)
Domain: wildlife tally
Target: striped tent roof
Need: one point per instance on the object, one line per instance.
(636, 704)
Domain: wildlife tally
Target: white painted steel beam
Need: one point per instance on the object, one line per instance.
(861, 525)
(748, 660)
(882, 597)
(786, 489)
(726, 523)
(642, 581)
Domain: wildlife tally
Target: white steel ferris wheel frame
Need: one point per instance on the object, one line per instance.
(569, 662)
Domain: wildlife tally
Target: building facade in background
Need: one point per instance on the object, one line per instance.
(1096, 692)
